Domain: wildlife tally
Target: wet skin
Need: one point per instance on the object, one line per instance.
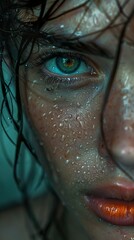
(65, 118)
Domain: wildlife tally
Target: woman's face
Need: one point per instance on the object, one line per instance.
(63, 90)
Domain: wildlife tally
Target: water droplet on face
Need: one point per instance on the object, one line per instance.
(62, 26)
(67, 161)
(78, 33)
(63, 138)
(61, 125)
(77, 157)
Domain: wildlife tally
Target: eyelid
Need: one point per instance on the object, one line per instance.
(48, 55)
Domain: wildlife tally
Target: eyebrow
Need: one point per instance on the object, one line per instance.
(64, 41)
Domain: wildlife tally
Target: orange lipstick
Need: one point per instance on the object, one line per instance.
(114, 211)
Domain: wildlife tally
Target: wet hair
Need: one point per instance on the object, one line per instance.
(16, 35)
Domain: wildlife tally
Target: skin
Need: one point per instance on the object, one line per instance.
(66, 124)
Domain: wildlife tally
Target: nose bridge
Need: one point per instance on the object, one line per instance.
(118, 115)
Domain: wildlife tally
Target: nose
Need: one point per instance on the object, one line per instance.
(118, 116)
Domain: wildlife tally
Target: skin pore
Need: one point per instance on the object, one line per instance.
(64, 110)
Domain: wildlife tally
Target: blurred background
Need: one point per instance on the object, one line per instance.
(29, 170)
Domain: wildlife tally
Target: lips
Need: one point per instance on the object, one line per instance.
(113, 203)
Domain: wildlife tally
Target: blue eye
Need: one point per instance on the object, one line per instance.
(67, 66)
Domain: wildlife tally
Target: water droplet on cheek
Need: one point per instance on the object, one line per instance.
(67, 161)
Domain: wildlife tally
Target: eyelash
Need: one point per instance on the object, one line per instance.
(65, 79)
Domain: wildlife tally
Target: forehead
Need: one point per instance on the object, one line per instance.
(88, 18)
(83, 17)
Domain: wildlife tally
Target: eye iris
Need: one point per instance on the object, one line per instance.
(68, 65)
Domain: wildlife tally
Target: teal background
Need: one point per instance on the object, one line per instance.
(29, 171)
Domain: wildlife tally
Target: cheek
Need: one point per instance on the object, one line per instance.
(69, 134)
(65, 132)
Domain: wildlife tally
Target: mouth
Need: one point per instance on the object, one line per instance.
(113, 203)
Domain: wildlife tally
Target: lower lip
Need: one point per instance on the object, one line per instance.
(114, 211)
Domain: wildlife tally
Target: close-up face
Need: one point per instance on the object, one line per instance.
(77, 93)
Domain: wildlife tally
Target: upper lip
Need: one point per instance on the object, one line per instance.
(119, 189)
